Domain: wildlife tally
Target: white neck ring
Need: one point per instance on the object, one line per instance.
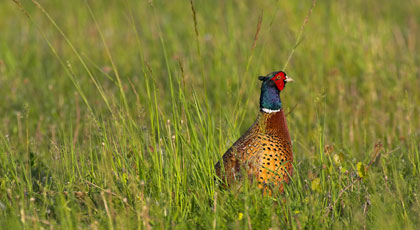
(265, 110)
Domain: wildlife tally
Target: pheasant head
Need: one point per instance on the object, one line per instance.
(272, 85)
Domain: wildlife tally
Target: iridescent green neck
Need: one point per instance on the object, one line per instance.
(270, 98)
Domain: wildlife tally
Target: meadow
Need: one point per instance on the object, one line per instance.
(113, 113)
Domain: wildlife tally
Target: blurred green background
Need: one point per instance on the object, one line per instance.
(113, 113)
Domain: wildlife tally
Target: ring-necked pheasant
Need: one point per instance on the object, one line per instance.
(264, 152)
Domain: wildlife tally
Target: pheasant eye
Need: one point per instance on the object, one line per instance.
(280, 76)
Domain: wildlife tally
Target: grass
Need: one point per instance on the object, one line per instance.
(112, 114)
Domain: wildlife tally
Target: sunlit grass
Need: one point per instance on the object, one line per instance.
(112, 115)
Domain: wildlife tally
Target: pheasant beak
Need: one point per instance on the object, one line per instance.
(288, 79)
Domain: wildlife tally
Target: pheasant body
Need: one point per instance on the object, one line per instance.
(264, 152)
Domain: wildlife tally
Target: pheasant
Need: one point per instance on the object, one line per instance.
(264, 152)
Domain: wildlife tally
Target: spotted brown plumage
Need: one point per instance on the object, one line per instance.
(264, 152)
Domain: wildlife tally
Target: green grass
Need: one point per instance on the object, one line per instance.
(113, 113)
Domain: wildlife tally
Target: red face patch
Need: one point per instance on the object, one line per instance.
(279, 80)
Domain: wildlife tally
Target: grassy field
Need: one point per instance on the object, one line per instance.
(113, 113)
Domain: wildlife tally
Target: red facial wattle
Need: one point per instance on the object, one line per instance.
(279, 80)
